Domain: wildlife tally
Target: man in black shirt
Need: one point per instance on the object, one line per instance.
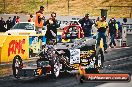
(9, 23)
(14, 21)
(52, 26)
(2, 25)
(113, 31)
(86, 25)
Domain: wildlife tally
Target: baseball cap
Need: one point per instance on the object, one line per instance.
(113, 20)
(87, 15)
(41, 7)
(103, 16)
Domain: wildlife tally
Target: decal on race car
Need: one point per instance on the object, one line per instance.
(74, 56)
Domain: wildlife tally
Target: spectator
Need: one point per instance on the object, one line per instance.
(119, 30)
(14, 21)
(113, 30)
(2, 25)
(39, 20)
(31, 19)
(9, 23)
(86, 25)
(17, 19)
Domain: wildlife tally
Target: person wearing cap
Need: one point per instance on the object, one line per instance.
(102, 27)
(39, 20)
(52, 26)
(86, 25)
(113, 31)
(9, 23)
(31, 19)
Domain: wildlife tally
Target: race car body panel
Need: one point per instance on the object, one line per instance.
(72, 32)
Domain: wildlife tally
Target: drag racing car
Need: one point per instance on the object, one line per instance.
(63, 57)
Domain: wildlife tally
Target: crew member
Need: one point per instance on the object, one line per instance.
(86, 25)
(52, 26)
(113, 31)
(39, 20)
(102, 27)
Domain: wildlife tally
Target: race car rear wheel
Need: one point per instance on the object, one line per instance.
(17, 65)
(80, 78)
(99, 58)
(55, 70)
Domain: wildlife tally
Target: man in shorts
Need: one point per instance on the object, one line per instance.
(39, 21)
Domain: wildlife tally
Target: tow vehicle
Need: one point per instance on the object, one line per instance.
(24, 28)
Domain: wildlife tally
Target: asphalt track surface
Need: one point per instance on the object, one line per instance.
(116, 61)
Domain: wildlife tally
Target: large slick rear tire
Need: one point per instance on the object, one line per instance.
(99, 58)
(55, 68)
(17, 65)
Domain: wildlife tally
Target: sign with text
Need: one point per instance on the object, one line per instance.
(74, 56)
(107, 77)
(16, 47)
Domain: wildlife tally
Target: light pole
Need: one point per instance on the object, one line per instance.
(47, 4)
(4, 5)
(68, 6)
(131, 13)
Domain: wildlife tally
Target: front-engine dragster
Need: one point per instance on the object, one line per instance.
(65, 56)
